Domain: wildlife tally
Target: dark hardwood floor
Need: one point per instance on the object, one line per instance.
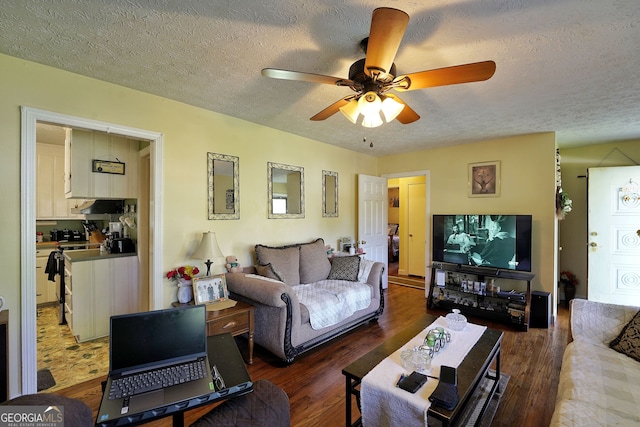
(316, 386)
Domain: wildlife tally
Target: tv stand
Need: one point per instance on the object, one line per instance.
(504, 306)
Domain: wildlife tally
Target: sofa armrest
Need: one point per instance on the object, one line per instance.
(376, 273)
(260, 289)
(598, 322)
(375, 279)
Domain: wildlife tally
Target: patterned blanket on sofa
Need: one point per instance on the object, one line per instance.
(331, 301)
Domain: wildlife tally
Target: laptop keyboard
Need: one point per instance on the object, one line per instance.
(159, 378)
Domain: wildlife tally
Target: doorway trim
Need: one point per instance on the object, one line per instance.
(29, 118)
(427, 249)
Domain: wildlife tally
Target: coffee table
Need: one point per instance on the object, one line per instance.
(473, 369)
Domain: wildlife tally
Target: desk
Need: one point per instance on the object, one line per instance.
(473, 369)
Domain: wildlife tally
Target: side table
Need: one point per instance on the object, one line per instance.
(235, 320)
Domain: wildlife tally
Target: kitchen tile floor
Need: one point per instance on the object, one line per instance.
(70, 362)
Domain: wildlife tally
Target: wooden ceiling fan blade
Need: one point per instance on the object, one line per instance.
(475, 72)
(387, 29)
(332, 109)
(408, 114)
(275, 73)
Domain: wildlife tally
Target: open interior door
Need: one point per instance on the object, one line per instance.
(372, 220)
(417, 242)
(614, 235)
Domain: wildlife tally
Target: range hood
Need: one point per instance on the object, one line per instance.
(96, 207)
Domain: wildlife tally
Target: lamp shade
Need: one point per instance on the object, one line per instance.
(208, 248)
(351, 110)
(391, 108)
(372, 120)
(369, 103)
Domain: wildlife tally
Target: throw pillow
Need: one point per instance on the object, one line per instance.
(314, 264)
(628, 342)
(269, 271)
(284, 259)
(345, 268)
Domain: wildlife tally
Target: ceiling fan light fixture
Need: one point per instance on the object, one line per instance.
(391, 108)
(351, 111)
(369, 103)
(372, 121)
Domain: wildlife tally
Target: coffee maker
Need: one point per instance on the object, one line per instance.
(115, 230)
(116, 243)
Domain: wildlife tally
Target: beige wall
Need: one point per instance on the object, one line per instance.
(573, 229)
(527, 187)
(189, 133)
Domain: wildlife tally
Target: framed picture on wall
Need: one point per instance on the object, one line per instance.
(484, 179)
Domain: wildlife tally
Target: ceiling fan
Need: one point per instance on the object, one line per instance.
(374, 76)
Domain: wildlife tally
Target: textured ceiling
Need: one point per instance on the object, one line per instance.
(569, 66)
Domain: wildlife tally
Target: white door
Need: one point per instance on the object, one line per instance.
(372, 220)
(416, 262)
(145, 232)
(614, 235)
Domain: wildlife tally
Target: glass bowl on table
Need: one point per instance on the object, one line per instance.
(456, 321)
(416, 359)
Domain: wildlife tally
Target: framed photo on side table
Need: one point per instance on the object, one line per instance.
(212, 291)
(484, 179)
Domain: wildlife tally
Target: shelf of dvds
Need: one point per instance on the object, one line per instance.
(476, 292)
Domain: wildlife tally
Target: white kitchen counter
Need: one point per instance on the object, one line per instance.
(77, 255)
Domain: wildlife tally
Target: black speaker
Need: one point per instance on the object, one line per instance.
(540, 316)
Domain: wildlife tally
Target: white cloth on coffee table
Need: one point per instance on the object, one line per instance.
(384, 404)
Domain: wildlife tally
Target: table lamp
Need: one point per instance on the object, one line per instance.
(208, 249)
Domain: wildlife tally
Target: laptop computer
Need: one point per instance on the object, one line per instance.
(155, 341)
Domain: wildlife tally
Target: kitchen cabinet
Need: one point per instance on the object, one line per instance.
(81, 148)
(98, 286)
(51, 202)
(45, 289)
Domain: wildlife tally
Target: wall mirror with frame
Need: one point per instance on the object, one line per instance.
(223, 187)
(285, 190)
(329, 194)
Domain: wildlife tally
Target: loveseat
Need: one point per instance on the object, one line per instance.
(303, 299)
(600, 385)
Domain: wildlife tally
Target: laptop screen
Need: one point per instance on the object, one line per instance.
(154, 336)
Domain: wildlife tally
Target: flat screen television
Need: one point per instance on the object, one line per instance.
(492, 241)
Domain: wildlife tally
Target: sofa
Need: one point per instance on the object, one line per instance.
(303, 298)
(600, 373)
